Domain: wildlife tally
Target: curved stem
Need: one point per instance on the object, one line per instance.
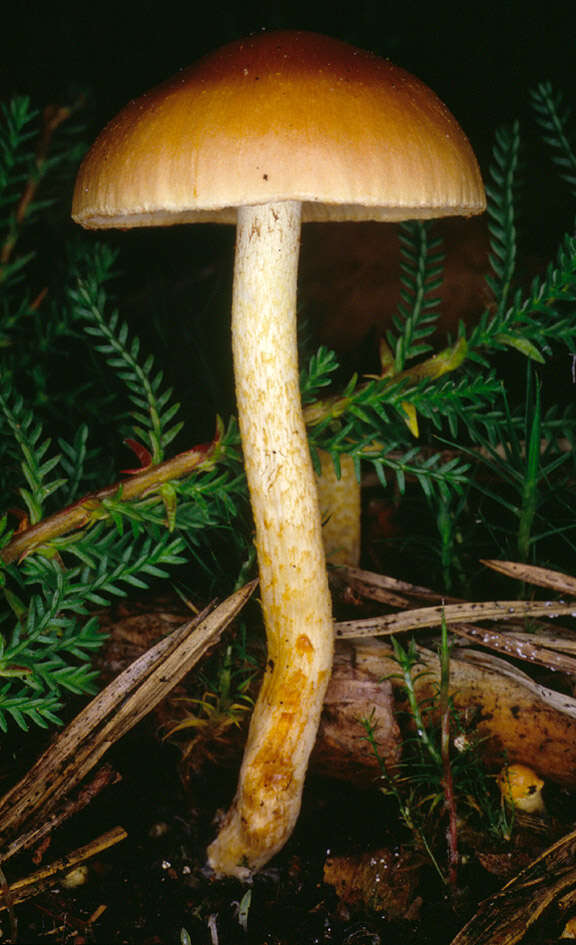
(293, 583)
(91, 507)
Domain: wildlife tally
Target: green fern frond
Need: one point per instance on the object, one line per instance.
(547, 298)
(17, 118)
(318, 374)
(49, 648)
(28, 439)
(28, 156)
(153, 411)
(501, 192)
(52, 675)
(554, 117)
(118, 564)
(432, 473)
(422, 268)
(465, 401)
(75, 457)
(25, 711)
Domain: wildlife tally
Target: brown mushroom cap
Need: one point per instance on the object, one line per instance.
(280, 116)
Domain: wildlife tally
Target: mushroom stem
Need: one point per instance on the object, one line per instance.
(293, 583)
(340, 498)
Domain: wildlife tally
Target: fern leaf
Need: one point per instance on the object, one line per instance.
(554, 116)
(153, 409)
(415, 320)
(501, 192)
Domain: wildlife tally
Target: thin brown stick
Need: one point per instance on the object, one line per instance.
(530, 647)
(41, 879)
(453, 613)
(52, 117)
(531, 574)
(112, 713)
(8, 899)
(105, 776)
(553, 649)
(89, 509)
(383, 588)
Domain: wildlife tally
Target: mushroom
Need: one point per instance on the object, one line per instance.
(266, 132)
(521, 788)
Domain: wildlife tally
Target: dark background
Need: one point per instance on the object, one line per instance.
(480, 58)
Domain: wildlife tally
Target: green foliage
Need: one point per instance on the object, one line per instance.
(525, 479)
(422, 271)
(60, 429)
(153, 408)
(16, 167)
(502, 214)
(441, 776)
(515, 496)
(458, 389)
(204, 725)
(554, 117)
(31, 155)
(532, 320)
(28, 441)
(318, 374)
(48, 628)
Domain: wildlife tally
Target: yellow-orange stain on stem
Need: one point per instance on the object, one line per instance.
(304, 644)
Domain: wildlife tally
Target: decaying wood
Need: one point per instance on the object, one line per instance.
(342, 750)
(548, 881)
(112, 713)
(383, 880)
(517, 719)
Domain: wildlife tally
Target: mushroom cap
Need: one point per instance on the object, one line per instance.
(522, 787)
(285, 115)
